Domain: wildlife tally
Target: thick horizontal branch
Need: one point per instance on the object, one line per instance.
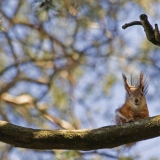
(89, 139)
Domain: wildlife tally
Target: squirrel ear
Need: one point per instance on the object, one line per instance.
(141, 81)
(127, 86)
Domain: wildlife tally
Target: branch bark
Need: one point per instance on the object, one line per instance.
(153, 35)
(88, 139)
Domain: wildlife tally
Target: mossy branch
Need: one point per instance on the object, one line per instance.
(88, 139)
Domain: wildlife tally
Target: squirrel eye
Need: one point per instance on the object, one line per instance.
(141, 94)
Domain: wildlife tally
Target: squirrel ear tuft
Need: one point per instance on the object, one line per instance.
(124, 77)
(141, 81)
(127, 86)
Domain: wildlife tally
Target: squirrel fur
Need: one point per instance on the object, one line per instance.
(135, 105)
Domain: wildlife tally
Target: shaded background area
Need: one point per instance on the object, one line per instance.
(60, 68)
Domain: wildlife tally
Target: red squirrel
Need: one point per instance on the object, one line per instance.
(135, 106)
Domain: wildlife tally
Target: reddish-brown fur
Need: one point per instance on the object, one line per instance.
(135, 106)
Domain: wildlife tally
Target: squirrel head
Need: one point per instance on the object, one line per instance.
(136, 88)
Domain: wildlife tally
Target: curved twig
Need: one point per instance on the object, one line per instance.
(131, 24)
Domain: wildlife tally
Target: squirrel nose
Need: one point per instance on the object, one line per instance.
(136, 100)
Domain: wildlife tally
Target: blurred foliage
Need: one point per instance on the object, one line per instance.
(61, 60)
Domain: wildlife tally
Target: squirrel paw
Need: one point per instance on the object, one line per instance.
(129, 121)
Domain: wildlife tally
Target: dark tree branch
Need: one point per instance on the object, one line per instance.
(153, 35)
(131, 24)
(88, 139)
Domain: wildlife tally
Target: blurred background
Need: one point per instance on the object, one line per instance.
(60, 68)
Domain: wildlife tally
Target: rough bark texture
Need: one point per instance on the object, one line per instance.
(89, 139)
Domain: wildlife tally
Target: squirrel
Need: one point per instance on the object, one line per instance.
(135, 106)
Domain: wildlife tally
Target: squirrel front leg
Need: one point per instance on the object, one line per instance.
(124, 116)
(141, 115)
(130, 117)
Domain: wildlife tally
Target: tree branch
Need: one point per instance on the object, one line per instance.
(153, 35)
(88, 139)
(131, 24)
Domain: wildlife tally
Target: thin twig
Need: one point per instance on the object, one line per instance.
(131, 24)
